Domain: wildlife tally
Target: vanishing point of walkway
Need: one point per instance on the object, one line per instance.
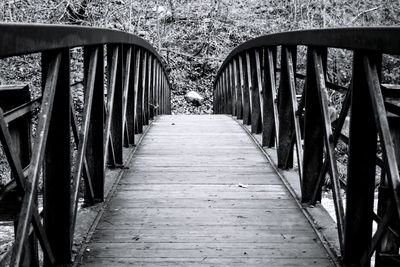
(199, 192)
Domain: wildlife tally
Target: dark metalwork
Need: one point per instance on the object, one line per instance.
(137, 87)
(374, 127)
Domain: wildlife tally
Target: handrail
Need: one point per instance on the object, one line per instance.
(134, 77)
(377, 39)
(246, 86)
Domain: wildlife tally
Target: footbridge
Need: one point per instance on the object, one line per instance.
(100, 173)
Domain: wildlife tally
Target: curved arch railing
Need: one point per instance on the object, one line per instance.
(125, 85)
(251, 86)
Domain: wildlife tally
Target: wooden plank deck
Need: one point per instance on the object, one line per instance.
(179, 204)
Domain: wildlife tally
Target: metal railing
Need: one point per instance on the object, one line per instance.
(251, 86)
(133, 76)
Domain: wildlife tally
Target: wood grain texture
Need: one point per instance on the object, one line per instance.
(179, 204)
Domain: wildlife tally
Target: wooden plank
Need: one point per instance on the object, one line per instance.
(176, 206)
(206, 261)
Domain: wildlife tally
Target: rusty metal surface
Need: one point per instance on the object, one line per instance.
(378, 39)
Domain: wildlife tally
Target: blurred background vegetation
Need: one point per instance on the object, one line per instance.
(194, 36)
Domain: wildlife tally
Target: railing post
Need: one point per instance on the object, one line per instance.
(116, 111)
(131, 104)
(260, 86)
(361, 176)
(256, 120)
(126, 88)
(95, 147)
(270, 122)
(388, 244)
(57, 164)
(232, 88)
(237, 88)
(286, 130)
(140, 88)
(146, 87)
(244, 89)
(313, 134)
(20, 135)
(153, 86)
(249, 85)
(162, 93)
(223, 91)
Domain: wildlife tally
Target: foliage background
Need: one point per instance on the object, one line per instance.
(194, 36)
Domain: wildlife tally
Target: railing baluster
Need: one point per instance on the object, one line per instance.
(329, 145)
(232, 88)
(57, 164)
(223, 92)
(90, 76)
(270, 108)
(237, 88)
(259, 101)
(126, 87)
(286, 130)
(249, 85)
(146, 87)
(131, 104)
(361, 176)
(140, 92)
(370, 65)
(388, 244)
(244, 89)
(28, 202)
(313, 133)
(254, 93)
(153, 85)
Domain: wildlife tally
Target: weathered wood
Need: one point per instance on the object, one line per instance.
(112, 62)
(130, 98)
(177, 204)
(140, 90)
(287, 129)
(146, 87)
(313, 134)
(320, 67)
(388, 244)
(361, 177)
(371, 65)
(256, 120)
(125, 92)
(153, 85)
(57, 163)
(237, 88)
(270, 130)
(244, 90)
(250, 80)
(17, 172)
